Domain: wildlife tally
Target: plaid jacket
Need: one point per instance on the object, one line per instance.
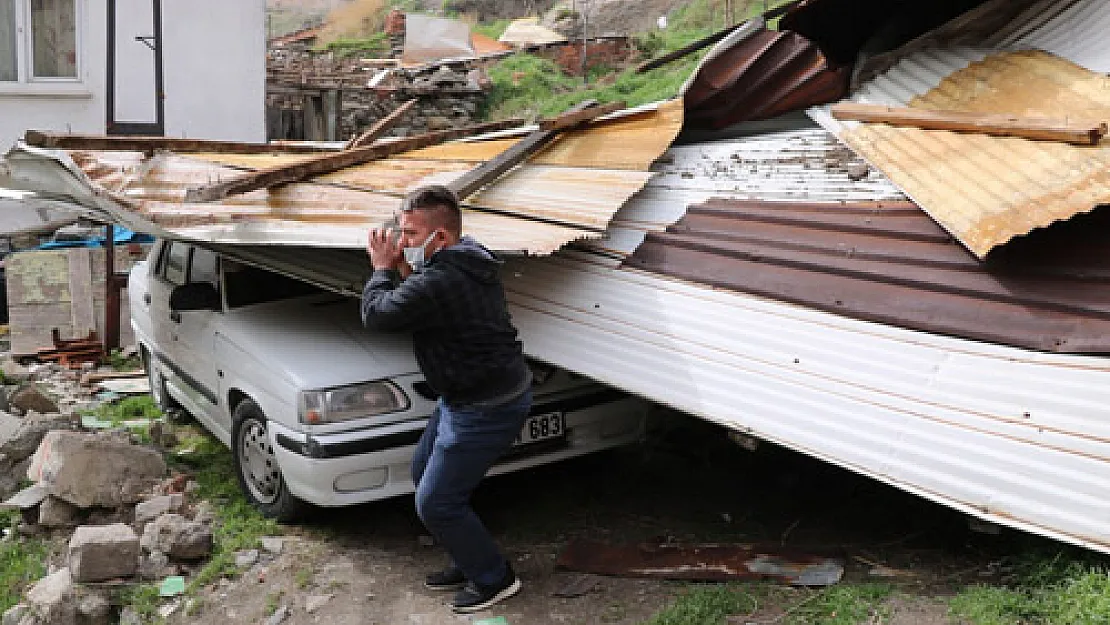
(454, 306)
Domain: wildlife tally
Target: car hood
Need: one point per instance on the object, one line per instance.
(318, 342)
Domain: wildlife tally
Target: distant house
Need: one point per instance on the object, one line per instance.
(183, 69)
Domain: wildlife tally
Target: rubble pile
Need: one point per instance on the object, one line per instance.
(104, 496)
(449, 95)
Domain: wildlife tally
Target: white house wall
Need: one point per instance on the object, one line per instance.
(64, 107)
(214, 64)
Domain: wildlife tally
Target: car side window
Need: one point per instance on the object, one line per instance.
(203, 268)
(176, 262)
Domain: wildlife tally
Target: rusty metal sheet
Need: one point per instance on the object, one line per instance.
(711, 563)
(761, 75)
(988, 190)
(890, 263)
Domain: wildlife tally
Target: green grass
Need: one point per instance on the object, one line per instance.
(843, 604)
(117, 361)
(1062, 589)
(22, 562)
(493, 30)
(375, 45)
(706, 605)
(239, 525)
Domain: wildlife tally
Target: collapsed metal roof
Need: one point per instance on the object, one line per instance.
(988, 190)
(561, 196)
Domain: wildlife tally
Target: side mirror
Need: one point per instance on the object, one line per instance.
(195, 296)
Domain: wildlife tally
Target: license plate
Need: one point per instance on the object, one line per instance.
(542, 428)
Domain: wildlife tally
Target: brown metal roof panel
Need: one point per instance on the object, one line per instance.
(893, 265)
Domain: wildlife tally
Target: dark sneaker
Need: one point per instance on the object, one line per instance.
(474, 597)
(450, 578)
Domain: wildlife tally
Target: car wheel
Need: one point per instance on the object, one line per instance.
(162, 399)
(257, 468)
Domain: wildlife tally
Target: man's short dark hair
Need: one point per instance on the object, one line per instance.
(440, 202)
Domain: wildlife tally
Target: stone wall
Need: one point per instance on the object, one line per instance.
(310, 94)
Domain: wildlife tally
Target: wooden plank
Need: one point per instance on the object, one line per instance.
(274, 176)
(494, 168)
(44, 139)
(1041, 129)
(383, 126)
(81, 290)
(569, 120)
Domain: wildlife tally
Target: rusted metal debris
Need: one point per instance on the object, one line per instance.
(763, 75)
(890, 263)
(711, 563)
(71, 353)
(43, 139)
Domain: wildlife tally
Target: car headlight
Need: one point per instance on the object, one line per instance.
(351, 402)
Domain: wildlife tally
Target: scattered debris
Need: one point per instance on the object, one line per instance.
(94, 470)
(246, 559)
(30, 398)
(278, 616)
(52, 600)
(72, 353)
(151, 509)
(172, 587)
(101, 553)
(56, 513)
(272, 544)
(314, 602)
(178, 537)
(576, 585)
(701, 563)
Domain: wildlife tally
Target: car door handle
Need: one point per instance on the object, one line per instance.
(146, 298)
(175, 316)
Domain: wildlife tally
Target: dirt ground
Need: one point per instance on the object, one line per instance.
(687, 483)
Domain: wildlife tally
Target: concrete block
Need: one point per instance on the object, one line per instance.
(101, 552)
(89, 469)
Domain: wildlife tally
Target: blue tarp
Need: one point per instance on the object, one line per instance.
(122, 237)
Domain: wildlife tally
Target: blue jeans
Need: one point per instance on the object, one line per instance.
(459, 445)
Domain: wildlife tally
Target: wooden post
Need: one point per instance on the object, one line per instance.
(111, 291)
(383, 126)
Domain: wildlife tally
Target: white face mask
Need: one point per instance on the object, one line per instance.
(414, 256)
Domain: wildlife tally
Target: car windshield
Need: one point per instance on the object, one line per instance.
(248, 285)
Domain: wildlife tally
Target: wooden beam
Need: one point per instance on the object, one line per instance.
(285, 174)
(1041, 129)
(381, 127)
(570, 120)
(492, 169)
(43, 139)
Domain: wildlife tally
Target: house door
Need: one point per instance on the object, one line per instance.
(135, 105)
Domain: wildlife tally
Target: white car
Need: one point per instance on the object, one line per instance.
(315, 407)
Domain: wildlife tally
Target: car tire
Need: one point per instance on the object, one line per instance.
(162, 399)
(256, 466)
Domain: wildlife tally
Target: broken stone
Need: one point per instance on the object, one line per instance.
(28, 397)
(93, 608)
(278, 616)
(101, 553)
(315, 602)
(52, 599)
(204, 513)
(13, 371)
(178, 537)
(246, 559)
(89, 470)
(54, 513)
(27, 498)
(128, 616)
(156, 565)
(273, 544)
(17, 615)
(155, 507)
(16, 447)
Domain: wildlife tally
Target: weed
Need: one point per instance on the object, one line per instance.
(144, 600)
(844, 604)
(127, 409)
(304, 578)
(117, 361)
(493, 30)
(273, 601)
(238, 524)
(376, 44)
(706, 605)
(22, 562)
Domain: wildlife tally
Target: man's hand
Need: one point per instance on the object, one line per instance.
(384, 253)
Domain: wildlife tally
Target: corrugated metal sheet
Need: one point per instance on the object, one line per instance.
(1009, 435)
(759, 74)
(536, 208)
(987, 190)
(890, 263)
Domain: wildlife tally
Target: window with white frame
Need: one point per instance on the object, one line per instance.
(39, 41)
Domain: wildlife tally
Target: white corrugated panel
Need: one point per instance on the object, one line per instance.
(1011, 436)
(1074, 30)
